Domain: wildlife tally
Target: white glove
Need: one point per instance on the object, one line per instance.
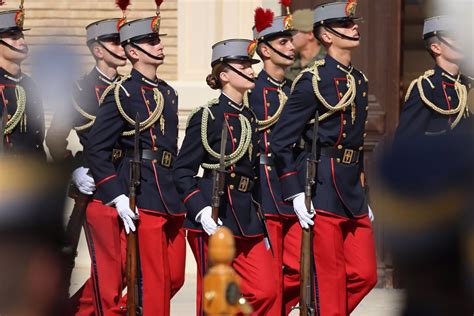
(83, 182)
(122, 204)
(304, 216)
(371, 214)
(205, 218)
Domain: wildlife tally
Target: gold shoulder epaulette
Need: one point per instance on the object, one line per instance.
(312, 70)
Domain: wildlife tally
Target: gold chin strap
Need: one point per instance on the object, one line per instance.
(265, 124)
(461, 91)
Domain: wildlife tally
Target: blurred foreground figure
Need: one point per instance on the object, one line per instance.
(31, 263)
(426, 194)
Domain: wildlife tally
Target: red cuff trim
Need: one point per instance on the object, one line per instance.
(190, 195)
(288, 174)
(106, 179)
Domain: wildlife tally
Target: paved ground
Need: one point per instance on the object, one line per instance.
(380, 302)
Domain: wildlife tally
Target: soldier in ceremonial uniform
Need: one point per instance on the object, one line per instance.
(22, 110)
(273, 44)
(436, 102)
(232, 73)
(308, 49)
(161, 214)
(344, 252)
(103, 291)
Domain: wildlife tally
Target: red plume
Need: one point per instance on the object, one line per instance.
(285, 3)
(2, 2)
(122, 4)
(263, 19)
(158, 2)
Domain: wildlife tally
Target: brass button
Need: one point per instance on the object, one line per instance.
(9, 116)
(361, 147)
(231, 128)
(231, 186)
(172, 101)
(268, 144)
(344, 122)
(168, 92)
(360, 82)
(340, 94)
(37, 132)
(232, 175)
(154, 137)
(449, 98)
(269, 168)
(367, 108)
(344, 135)
(337, 82)
(6, 102)
(235, 140)
(338, 160)
(364, 94)
(266, 91)
(37, 146)
(367, 121)
(268, 104)
(147, 102)
(365, 135)
(154, 161)
(155, 148)
(339, 147)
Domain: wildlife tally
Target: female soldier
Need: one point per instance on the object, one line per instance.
(232, 73)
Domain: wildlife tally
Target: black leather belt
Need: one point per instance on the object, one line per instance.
(266, 160)
(160, 156)
(235, 181)
(342, 155)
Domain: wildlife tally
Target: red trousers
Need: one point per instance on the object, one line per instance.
(162, 247)
(102, 292)
(254, 265)
(285, 235)
(345, 261)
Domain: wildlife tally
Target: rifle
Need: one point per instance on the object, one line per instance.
(74, 227)
(307, 302)
(218, 176)
(134, 301)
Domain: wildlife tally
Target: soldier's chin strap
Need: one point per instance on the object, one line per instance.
(442, 40)
(332, 30)
(239, 73)
(277, 51)
(112, 53)
(23, 51)
(147, 53)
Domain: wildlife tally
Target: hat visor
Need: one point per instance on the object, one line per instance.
(235, 59)
(272, 36)
(143, 37)
(13, 29)
(336, 20)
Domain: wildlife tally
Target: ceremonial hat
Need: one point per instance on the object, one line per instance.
(232, 50)
(335, 12)
(435, 25)
(12, 20)
(142, 28)
(103, 30)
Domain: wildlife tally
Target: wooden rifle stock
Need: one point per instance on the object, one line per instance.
(308, 298)
(134, 301)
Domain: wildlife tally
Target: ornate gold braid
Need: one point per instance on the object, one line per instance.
(264, 124)
(345, 101)
(20, 110)
(86, 115)
(242, 148)
(146, 124)
(461, 92)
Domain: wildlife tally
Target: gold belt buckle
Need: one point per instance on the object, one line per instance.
(166, 159)
(243, 184)
(116, 154)
(348, 155)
